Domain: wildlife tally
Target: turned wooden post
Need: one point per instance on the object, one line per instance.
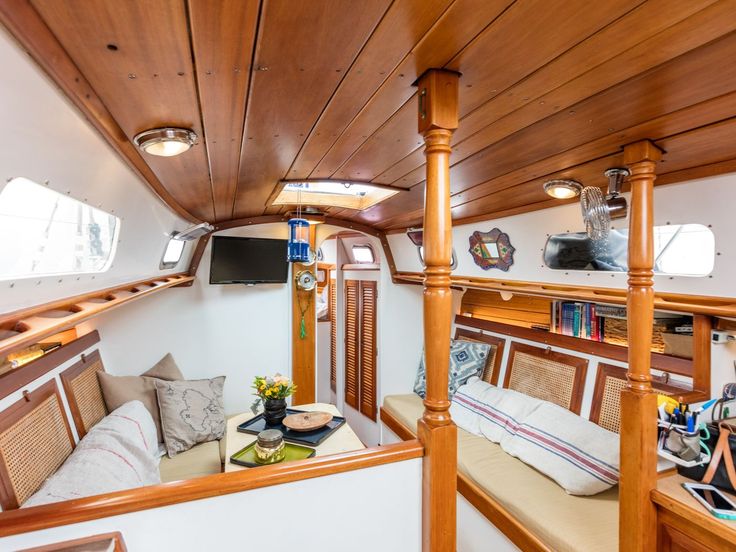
(437, 119)
(637, 513)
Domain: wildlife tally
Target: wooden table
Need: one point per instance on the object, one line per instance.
(343, 440)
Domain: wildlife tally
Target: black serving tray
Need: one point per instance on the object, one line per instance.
(310, 438)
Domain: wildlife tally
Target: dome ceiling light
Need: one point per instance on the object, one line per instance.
(165, 142)
(563, 189)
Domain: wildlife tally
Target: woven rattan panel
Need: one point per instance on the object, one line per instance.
(610, 416)
(542, 378)
(34, 447)
(88, 395)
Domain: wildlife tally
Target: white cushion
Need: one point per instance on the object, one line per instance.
(489, 411)
(582, 457)
(119, 453)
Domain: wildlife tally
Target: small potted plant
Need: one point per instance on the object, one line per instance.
(272, 392)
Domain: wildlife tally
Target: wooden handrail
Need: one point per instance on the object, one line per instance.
(691, 304)
(155, 496)
(28, 326)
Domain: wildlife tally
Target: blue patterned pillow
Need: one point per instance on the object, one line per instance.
(467, 359)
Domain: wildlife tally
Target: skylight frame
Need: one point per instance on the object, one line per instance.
(346, 194)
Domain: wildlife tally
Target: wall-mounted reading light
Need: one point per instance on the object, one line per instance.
(563, 189)
(165, 142)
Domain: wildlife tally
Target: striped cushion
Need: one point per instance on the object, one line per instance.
(582, 457)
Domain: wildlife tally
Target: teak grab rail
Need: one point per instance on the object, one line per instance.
(134, 500)
(691, 304)
(28, 326)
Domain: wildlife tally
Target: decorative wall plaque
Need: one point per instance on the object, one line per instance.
(492, 250)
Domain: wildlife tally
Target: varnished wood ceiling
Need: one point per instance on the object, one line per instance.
(324, 89)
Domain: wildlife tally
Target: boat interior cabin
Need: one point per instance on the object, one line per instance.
(360, 275)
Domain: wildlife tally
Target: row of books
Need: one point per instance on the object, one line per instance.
(584, 320)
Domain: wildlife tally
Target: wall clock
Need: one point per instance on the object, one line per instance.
(492, 250)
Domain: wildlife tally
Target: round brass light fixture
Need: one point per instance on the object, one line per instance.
(165, 142)
(563, 189)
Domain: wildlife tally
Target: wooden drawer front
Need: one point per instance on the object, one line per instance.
(676, 534)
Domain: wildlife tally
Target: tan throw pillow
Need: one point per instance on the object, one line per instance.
(191, 412)
(118, 390)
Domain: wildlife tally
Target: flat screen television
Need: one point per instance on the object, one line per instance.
(248, 261)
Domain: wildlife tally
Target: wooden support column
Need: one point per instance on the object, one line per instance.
(637, 513)
(437, 119)
(303, 350)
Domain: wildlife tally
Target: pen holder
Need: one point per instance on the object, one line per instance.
(680, 446)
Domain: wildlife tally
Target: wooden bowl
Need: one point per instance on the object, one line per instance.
(307, 421)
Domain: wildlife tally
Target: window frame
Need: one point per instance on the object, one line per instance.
(453, 261)
(169, 265)
(363, 246)
(113, 243)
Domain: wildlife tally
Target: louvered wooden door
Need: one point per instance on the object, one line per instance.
(333, 335)
(361, 369)
(352, 346)
(368, 375)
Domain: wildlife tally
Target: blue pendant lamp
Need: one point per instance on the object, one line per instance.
(298, 236)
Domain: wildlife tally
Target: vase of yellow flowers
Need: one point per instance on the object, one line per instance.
(272, 392)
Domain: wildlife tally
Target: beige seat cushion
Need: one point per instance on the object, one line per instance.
(202, 459)
(562, 521)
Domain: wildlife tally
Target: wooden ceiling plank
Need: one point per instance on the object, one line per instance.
(223, 38)
(30, 30)
(457, 27)
(653, 33)
(137, 57)
(485, 76)
(676, 123)
(404, 24)
(293, 80)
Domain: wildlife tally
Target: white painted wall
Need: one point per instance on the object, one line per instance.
(708, 201)
(365, 510)
(44, 138)
(233, 330)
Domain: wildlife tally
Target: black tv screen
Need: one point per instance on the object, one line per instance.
(248, 261)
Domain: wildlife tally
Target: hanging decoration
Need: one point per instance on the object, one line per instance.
(305, 281)
(492, 250)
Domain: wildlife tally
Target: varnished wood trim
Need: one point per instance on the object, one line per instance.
(35, 327)
(34, 36)
(489, 508)
(702, 328)
(497, 342)
(665, 363)
(304, 350)
(20, 377)
(499, 516)
(11, 415)
(156, 496)
(579, 363)
(675, 302)
(76, 544)
(67, 377)
(361, 266)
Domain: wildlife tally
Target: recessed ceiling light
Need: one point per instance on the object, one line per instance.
(165, 142)
(563, 189)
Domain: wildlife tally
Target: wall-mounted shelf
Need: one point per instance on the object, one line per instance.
(25, 327)
(691, 304)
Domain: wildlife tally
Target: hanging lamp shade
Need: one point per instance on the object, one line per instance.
(298, 240)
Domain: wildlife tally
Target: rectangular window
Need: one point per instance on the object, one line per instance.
(43, 232)
(172, 253)
(363, 254)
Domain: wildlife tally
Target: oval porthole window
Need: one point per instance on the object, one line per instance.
(679, 250)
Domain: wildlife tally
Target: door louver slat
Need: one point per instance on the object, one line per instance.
(368, 369)
(351, 342)
(333, 335)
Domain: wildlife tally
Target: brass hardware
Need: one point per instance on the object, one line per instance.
(422, 104)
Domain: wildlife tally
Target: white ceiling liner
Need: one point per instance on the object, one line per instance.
(45, 139)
